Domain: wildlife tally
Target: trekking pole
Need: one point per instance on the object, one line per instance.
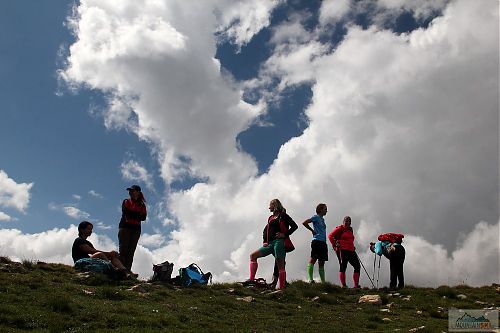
(378, 274)
(374, 260)
(368, 275)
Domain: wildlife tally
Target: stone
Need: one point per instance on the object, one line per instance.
(247, 299)
(419, 312)
(406, 298)
(462, 296)
(370, 299)
(390, 305)
(386, 319)
(416, 329)
(315, 298)
(230, 291)
(138, 289)
(385, 310)
(88, 292)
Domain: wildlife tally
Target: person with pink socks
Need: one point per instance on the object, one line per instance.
(342, 239)
(279, 227)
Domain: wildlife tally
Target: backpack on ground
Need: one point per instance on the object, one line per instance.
(391, 238)
(193, 275)
(96, 265)
(162, 272)
(258, 283)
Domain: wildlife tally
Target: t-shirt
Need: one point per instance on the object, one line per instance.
(319, 227)
(76, 252)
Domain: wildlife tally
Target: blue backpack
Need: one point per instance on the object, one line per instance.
(96, 265)
(193, 275)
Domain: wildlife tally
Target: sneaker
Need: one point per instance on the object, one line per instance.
(311, 282)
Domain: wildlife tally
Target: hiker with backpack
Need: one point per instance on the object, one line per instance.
(319, 249)
(276, 234)
(390, 246)
(86, 255)
(133, 212)
(342, 239)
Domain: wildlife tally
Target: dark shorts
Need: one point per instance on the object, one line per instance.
(319, 250)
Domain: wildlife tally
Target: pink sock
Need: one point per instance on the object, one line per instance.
(282, 278)
(253, 269)
(355, 277)
(342, 278)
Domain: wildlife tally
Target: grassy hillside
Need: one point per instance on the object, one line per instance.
(43, 297)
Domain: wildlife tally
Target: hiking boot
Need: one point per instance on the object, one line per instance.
(248, 282)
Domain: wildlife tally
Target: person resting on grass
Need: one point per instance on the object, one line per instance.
(83, 250)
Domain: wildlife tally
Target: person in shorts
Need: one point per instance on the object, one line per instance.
(319, 249)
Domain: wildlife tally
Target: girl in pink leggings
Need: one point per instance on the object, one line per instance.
(279, 227)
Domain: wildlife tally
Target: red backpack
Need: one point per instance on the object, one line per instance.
(391, 238)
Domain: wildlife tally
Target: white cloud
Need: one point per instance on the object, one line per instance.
(77, 197)
(133, 171)
(420, 8)
(14, 195)
(102, 226)
(49, 246)
(70, 210)
(241, 20)
(333, 10)
(152, 241)
(4, 217)
(391, 141)
(75, 213)
(95, 194)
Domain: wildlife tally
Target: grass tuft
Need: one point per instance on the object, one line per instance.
(59, 303)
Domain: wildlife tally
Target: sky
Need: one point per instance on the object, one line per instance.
(385, 110)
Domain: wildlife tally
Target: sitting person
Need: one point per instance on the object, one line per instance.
(83, 250)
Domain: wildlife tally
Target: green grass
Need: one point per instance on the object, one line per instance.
(41, 297)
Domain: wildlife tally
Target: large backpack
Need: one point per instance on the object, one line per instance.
(162, 272)
(96, 265)
(391, 238)
(192, 275)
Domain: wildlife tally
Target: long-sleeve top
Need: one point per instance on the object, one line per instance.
(282, 223)
(133, 212)
(345, 237)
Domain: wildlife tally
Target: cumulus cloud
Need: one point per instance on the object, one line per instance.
(77, 197)
(392, 139)
(4, 217)
(240, 20)
(420, 8)
(152, 241)
(133, 171)
(333, 10)
(49, 246)
(14, 195)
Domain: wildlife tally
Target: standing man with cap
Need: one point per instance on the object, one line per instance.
(133, 212)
